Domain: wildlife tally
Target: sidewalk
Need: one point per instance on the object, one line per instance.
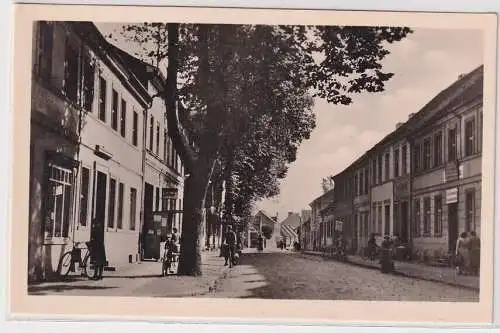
(446, 275)
(140, 279)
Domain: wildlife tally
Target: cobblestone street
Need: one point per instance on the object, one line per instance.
(289, 275)
(267, 275)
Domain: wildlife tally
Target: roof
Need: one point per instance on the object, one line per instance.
(288, 231)
(117, 60)
(266, 215)
(467, 86)
(293, 220)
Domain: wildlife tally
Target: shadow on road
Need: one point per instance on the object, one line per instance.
(43, 290)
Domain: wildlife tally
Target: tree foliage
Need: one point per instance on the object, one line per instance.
(246, 96)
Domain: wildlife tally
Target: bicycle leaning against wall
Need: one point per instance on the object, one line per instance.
(79, 254)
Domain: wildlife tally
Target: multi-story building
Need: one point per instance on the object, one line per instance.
(424, 178)
(446, 167)
(317, 205)
(361, 201)
(341, 210)
(89, 108)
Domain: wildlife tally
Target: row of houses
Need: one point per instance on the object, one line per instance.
(99, 148)
(422, 182)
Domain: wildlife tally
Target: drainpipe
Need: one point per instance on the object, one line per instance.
(143, 170)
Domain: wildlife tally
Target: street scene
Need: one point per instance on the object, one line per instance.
(255, 161)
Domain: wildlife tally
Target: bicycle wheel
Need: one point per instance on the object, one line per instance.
(89, 267)
(65, 264)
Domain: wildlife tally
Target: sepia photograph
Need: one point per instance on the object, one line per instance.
(239, 159)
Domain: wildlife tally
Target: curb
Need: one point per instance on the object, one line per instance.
(399, 273)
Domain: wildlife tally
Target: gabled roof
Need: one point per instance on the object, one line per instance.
(293, 220)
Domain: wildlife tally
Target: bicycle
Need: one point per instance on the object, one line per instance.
(77, 255)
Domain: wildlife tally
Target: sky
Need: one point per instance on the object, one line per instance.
(424, 63)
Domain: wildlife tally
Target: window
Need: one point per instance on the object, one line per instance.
(438, 216)
(114, 111)
(452, 144)
(157, 199)
(169, 152)
(123, 118)
(176, 161)
(361, 189)
(84, 196)
(470, 137)
(133, 207)
(438, 149)
(416, 218)
(366, 180)
(387, 167)
(59, 195)
(396, 163)
(151, 132)
(135, 128)
(102, 98)
(379, 170)
(379, 217)
(164, 199)
(88, 83)
(404, 163)
(111, 203)
(157, 138)
(71, 72)
(374, 172)
(470, 206)
(165, 140)
(119, 221)
(416, 158)
(45, 45)
(480, 132)
(427, 154)
(356, 184)
(427, 216)
(387, 222)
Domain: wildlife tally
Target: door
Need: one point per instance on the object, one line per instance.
(452, 225)
(100, 200)
(404, 222)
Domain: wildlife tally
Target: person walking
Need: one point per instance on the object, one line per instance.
(231, 243)
(462, 260)
(98, 250)
(474, 252)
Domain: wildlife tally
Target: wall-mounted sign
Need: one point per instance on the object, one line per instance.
(452, 196)
(170, 193)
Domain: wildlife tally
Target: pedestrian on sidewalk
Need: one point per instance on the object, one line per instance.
(474, 252)
(462, 258)
(97, 248)
(230, 246)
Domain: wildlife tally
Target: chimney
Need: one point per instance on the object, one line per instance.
(411, 115)
(290, 213)
(398, 125)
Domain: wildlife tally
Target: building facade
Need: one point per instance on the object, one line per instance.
(317, 205)
(422, 182)
(89, 114)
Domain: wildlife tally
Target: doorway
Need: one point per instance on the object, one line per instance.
(148, 207)
(404, 222)
(452, 225)
(100, 200)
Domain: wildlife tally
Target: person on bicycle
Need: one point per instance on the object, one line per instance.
(231, 243)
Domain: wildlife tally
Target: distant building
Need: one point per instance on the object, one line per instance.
(317, 205)
(264, 224)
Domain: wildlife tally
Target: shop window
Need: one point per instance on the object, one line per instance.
(58, 203)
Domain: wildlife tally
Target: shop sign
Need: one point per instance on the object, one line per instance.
(452, 196)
